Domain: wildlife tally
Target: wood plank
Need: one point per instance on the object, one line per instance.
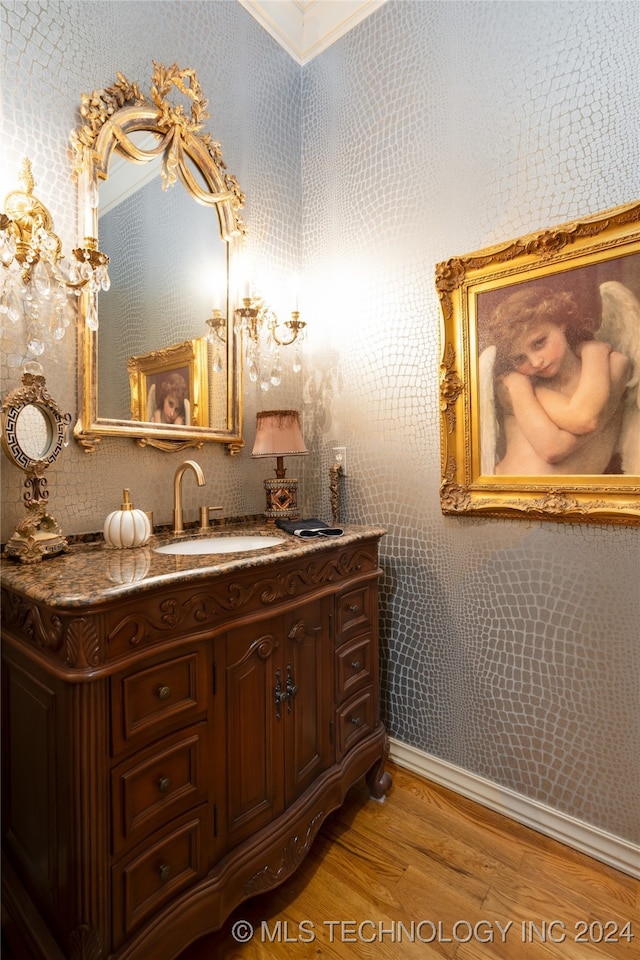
(430, 874)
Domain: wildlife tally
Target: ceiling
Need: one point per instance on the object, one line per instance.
(307, 27)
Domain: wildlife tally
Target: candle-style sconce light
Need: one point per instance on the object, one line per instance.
(263, 334)
(36, 281)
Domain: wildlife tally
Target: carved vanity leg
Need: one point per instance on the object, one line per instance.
(379, 779)
(85, 944)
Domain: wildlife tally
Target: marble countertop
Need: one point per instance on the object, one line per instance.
(94, 572)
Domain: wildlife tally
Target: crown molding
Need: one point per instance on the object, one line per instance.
(307, 27)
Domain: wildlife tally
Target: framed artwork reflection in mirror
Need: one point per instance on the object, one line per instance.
(169, 387)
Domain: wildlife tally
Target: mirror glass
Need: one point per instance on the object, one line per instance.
(169, 300)
(33, 431)
(156, 197)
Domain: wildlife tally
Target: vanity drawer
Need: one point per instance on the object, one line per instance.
(165, 866)
(354, 611)
(353, 666)
(164, 695)
(354, 721)
(157, 785)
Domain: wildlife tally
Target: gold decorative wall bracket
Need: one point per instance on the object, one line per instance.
(30, 240)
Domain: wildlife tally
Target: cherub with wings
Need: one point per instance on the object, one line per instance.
(558, 389)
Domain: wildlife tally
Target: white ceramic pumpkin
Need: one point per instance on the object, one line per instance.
(127, 527)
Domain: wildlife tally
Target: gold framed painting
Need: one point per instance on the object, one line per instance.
(170, 386)
(539, 374)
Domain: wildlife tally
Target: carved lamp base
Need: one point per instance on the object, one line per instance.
(282, 499)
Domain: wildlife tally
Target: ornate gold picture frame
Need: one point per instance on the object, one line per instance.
(539, 419)
(170, 387)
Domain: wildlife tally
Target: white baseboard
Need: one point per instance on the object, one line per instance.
(608, 848)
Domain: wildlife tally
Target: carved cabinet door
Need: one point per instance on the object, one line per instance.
(279, 696)
(255, 791)
(308, 710)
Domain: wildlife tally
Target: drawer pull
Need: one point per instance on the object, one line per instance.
(356, 721)
(164, 784)
(164, 692)
(356, 664)
(165, 872)
(353, 607)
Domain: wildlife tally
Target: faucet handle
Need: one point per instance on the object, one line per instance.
(204, 517)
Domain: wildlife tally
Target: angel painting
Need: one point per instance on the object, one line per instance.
(168, 398)
(558, 382)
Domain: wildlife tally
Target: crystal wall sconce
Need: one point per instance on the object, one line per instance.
(36, 281)
(263, 334)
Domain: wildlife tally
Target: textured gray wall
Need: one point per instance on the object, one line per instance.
(432, 129)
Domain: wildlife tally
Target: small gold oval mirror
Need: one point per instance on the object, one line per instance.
(33, 431)
(33, 435)
(156, 188)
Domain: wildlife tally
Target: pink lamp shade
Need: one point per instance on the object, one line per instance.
(278, 434)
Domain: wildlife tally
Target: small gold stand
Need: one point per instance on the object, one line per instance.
(37, 535)
(33, 436)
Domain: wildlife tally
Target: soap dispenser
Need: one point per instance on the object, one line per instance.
(127, 527)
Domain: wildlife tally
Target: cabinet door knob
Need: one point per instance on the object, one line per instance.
(353, 607)
(165, 872)
(164, 784)
(164, 692)
(356, 664)
(356, 721)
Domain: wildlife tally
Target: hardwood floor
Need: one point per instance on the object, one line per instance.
(431, 874)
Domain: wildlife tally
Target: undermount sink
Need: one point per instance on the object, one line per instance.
(200, 545)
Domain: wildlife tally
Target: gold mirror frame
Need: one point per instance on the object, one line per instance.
(110, 117)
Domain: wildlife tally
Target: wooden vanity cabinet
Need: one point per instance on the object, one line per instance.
(170, 752)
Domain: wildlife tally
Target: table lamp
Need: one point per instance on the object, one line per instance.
(278, 435)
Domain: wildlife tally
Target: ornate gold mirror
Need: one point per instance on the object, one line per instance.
(159, 356)
(33, 434)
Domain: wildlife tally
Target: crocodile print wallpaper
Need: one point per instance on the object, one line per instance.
(510, 648)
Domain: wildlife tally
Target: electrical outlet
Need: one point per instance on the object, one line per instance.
(340, 456)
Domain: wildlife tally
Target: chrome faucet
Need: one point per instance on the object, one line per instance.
(178, 526)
